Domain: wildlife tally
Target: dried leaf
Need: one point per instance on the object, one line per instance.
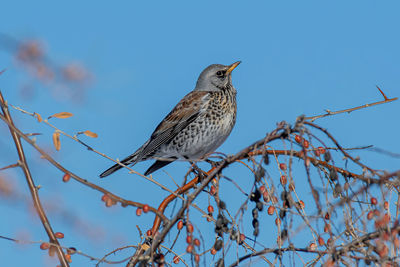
(90, 134)
(145, 247)
(38, 117)
(56, 140)
(62, 115)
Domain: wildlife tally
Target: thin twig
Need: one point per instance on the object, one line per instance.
(46, 156)
(349, 110)
(31, 184)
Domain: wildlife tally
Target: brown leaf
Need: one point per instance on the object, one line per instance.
(38, 117)
(56, 140)
(62, 115)
(90, 134)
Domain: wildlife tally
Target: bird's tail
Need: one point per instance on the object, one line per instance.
(126, 161)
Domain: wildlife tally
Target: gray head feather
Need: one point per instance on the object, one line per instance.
(215, 77)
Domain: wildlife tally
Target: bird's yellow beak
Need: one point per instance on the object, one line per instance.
(233, 66)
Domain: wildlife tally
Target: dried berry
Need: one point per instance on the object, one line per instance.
(255, 196)
(218, 245)
(260, 173)
(255, 223)
(254, 212)
(259, 206)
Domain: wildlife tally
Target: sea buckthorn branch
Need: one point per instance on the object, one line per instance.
(349, 110)
(73, 250)
(340, 147)
(298, 154)
(279, 132)
(31, 184)
(46, 156)
(90, 148)
(337, 251)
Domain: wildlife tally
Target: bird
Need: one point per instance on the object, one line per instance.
(195, 127)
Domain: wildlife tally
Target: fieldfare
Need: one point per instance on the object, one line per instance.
(197, 125)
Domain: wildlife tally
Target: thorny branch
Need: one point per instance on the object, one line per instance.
(360, 244)
(31, 184)
(46, 156)
(349, 110)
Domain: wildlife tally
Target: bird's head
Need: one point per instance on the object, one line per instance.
(216, 77)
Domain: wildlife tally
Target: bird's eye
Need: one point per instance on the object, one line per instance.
(220, 73)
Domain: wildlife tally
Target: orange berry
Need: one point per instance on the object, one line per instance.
(44, 246)
(370, 215)
(312, 247)
(327, 228)
(386, 205)
(59, 235)
(189, 239)
(149, 232)
(189, 249)
(321, 241)
(197, 258)
(298, 138)
(109, 202)
(321, 150)
(146, 208)
(68, 258)
(213, 251)
(266, 196)
(242, 237)
(262, 189)
(210, 209)
(277, 221)
(374, 201)
(104, 197)
(212, 190)
(327, 216)
(138, 211)
(189, 228)
(283, 180)
(271, 210)
(176, 259)
(282, 166)
(306, 144)
(180, 225)
(302, 205)
(66, 177)
(196, 242)
(383, 251)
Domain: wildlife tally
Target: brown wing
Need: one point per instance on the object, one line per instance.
(185, 112)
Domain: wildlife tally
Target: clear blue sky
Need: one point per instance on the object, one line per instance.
(298, 57)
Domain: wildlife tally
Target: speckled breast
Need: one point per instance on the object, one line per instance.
(208, 131)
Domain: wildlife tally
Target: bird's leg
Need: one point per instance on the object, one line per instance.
(197, 171)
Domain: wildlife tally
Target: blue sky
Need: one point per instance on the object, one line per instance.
(298, 57)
